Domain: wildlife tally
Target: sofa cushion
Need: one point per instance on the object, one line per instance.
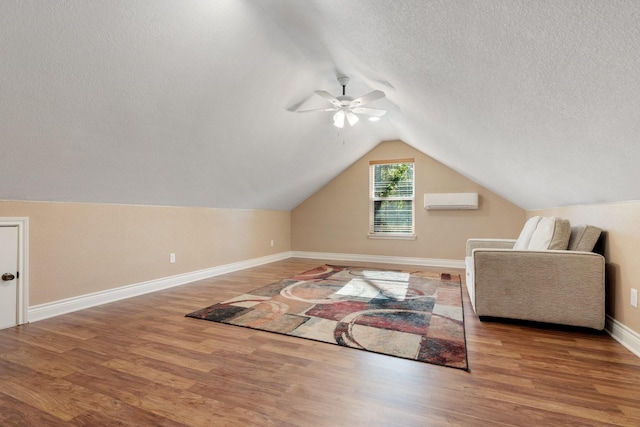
(551, 233)
(527, 231)
(583, 237)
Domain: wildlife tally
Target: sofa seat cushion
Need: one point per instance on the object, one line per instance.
(551, 234)
(583, 237)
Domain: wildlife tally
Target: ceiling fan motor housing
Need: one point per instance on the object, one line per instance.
(344, 100)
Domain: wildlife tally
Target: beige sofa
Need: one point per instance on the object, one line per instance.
(548, 274)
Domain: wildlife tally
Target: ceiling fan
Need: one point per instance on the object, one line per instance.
(347, 108)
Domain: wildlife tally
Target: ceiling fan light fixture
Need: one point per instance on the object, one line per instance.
(374, 118)
(352, 118)
(338, 119)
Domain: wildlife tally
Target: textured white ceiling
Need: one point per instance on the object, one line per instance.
(191, 103)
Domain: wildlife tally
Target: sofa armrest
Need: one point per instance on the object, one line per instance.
(565, 287)
(489, 243)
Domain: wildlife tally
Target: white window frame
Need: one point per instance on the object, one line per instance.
(410, 235)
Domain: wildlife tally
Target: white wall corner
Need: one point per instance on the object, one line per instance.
(68, 305)
(623, 334)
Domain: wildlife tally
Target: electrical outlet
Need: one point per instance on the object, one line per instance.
(172, 258)
(272, 243)
(634, 298)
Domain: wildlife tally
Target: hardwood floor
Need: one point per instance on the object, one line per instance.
(141, 362)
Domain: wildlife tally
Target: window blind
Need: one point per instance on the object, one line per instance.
(392, 197)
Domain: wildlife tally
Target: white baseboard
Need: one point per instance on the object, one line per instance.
(625, 336)
(68, 305)
(621, 333)
(425, 262)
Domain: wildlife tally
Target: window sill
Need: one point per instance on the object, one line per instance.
(382, 236)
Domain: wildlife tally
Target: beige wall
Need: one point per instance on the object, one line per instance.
(335, 219)
(621, 224)
(77, 249)
(80, 248)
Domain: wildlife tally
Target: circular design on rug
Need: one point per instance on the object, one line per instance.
(359, 271)
(318, 272)
(309, 291)
(344, 333)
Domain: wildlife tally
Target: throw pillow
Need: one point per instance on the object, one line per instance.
(561, 235)
(583, 237)
(551, 233)
(525, 235)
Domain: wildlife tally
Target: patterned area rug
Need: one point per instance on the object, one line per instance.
(415, 316)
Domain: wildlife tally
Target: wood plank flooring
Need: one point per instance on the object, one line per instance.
(141, 362)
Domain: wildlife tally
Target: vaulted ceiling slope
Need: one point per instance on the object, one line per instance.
(192, 102)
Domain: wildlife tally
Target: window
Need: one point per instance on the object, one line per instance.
(391, 207)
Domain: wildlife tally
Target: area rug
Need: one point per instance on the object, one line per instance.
(413, 315)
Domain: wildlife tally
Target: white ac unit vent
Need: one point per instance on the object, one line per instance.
(433, 201)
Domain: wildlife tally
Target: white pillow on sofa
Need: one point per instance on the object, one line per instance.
(525, 235)
(551, 233)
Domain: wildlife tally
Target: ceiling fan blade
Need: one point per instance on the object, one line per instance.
(365, 99)
(317, 110)
(352, 118)
(326, 95)
(338, 119)
(369, 111)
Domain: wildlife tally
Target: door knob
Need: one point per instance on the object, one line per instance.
(7, 277)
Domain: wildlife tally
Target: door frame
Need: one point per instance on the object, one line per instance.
(23, 264)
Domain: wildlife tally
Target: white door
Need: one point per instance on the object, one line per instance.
(9, 272)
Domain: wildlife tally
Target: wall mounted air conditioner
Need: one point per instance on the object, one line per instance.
(433, 201)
